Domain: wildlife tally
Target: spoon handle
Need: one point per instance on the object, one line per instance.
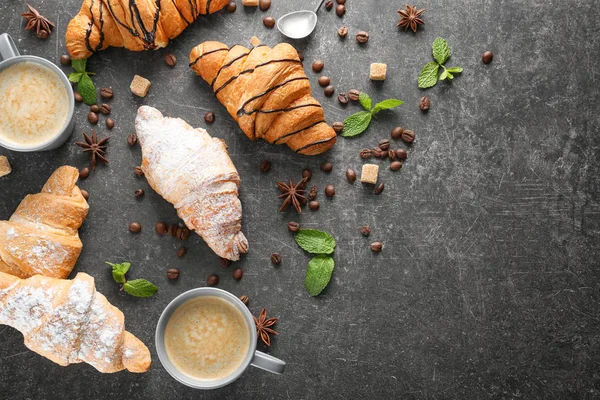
(319, 6)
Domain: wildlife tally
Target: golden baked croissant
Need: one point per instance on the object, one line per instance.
(193, 172)
(41, 236)
(133, 24)
(68, 322)
(267, 92)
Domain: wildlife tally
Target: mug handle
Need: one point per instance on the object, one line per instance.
(8, 49)
(268, 363)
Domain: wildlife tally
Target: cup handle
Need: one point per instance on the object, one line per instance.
(8, 49)
(268, 363)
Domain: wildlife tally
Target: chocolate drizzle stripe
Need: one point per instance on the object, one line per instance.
(285, 109)
(101, 19)
(230, 63)
(208, 7)
(88, 32)
(246, 71)
(314, 144)
(148, 36)
(180, 13)
(242, 110)
(298, 131)
(129, 29)
(205, 54)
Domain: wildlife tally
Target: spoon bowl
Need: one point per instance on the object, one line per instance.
(297, 24)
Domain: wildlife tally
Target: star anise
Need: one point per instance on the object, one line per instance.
(410, 18)
(95, 147)
(263, 326)
(42, 25)
(292, 194)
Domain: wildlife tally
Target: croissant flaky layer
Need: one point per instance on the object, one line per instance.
(133, 24)
(68, 322)
(41, 236)
(193, 171)
(267, 92)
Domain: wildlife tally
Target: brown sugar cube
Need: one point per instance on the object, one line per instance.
(140, 86)
(378, 72)
(5, 168)
(250, 3)
(369, 173)
(254, 41)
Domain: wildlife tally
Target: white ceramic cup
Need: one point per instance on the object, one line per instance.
(9, 55)
(253, 357)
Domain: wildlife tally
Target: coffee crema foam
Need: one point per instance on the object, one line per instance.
(207, 338)
(34, 104)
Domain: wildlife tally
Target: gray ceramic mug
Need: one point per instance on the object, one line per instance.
(253, 357)
(9, 55)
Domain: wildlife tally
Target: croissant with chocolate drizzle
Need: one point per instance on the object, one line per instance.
(134, 24)
(267, 92)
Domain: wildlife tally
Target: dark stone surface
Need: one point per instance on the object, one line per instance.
(487, 286)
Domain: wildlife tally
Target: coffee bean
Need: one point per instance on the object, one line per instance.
(338, 127)
(384, 144)
(366, 154)
(401, 153)
(329, 191)
(173, 274)
(231, 7)
(65, 59)
(377, 152)
(314, 205)
(350, 175)
(95, 108)
(376, 247)
(85, 194)
(181, 252)
(424, 103)
(209, 117)
(379, 188)
(293, 226)
(138, 171)
(392, 155)
(408, 136)
(139, 192)
(78, 98)
(329, 90)
(161, 228)
(212, 280)
(132, 139)
(318, 66)
(43, 34)
(93, 118)
(365, 230)
(224, 262)
(264, 4)
(245, 300)
(306, 174)
(329, 4)
(238, 273)
(135, 227)
(105, 109)
(362, 37)
(396, 165)
(354, 95)
(183, 233)
(343, 31)
(343, 98)
(265, 166)
(110, 123)
(107, 93)
(324, 81)
(269, 22)
(487, 57)
(341, 1)
(171, 60)
(312, 194)
(276, 259)
(340, 10)
(397, 132)
(172, 230)
(326, 166)
(84, 173)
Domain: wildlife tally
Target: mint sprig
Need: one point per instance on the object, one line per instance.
(136, 287)
(320, 267)
(359, 122)
(119, 271)
(81, 77)
(428, 77)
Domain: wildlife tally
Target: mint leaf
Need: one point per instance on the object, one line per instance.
(441, 50)
(119, 271)
(315, 241)
(386, 105)
(318, 274)
(79, 65)
(365, 101)
(75, 76)
(428, 75)
(140, 288)
(455, 70)
(356, 123)
(86, 88)
(444, 75)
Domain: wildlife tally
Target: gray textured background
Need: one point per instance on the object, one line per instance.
(488, 283)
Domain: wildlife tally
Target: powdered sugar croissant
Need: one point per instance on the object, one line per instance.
(68, 322)
(193, 172)
(41, 236)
